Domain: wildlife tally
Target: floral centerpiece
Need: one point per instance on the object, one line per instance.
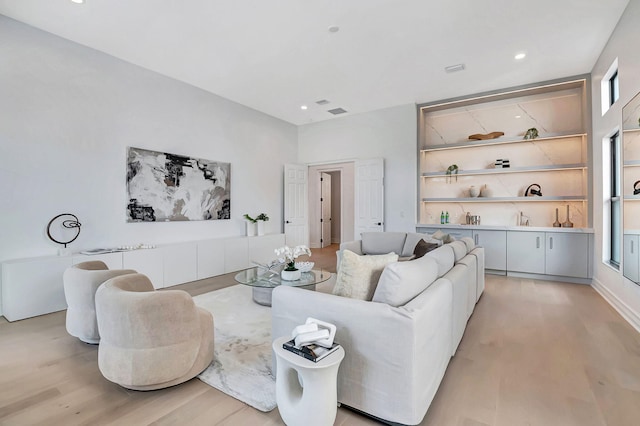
(288, 256)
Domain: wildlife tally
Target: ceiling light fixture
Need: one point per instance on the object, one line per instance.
(303, 107)
(78, 1)
(334, 29)
(454, 68)
(520, 56)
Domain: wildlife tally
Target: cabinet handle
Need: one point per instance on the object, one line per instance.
(538, 242)
(550, 243)
(631, 246)
(477, 239)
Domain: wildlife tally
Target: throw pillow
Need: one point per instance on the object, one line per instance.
(445, 238)
(401, 282)
(423, 248)
(383, 242)
(358, 275)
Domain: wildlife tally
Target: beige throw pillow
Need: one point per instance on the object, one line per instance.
(358, 275)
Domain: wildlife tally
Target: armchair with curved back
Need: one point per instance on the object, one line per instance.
(81, 281)
(150, 339)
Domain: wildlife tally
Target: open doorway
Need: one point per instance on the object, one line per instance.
(331, 199)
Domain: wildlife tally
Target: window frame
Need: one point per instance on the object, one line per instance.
(615, 200)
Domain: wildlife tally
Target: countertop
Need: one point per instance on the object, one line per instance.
(506, 228)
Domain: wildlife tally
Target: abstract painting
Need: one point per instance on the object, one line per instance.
(168, 187)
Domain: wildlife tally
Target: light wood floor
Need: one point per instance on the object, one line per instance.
(534, 353)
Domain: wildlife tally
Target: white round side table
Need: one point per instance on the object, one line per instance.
(306, 391)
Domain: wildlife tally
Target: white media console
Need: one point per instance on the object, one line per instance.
(33, 286)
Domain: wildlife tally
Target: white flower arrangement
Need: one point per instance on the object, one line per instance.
(288, 256)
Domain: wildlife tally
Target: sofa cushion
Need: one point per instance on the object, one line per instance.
(412, 240)
(383, 242)
(469, 242)
(358, 275)
(401, 282)
(445, 258)
(445, 238)
(423, 247)
(459, 250)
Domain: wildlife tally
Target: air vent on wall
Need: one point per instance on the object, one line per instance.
(454, 68)
(322, 102)
(337, 111)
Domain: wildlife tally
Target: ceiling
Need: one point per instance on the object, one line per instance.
(275, 56)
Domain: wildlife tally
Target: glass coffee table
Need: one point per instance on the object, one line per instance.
(264, 281)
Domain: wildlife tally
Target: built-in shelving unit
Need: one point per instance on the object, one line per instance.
(557, 159)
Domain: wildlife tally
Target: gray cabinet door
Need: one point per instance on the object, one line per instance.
(567, 255)
(495, 248)
(631, 259)
(525, 252)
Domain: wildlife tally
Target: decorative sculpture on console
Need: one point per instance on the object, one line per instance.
(68, 221)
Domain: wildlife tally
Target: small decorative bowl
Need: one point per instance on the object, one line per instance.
(305, 266)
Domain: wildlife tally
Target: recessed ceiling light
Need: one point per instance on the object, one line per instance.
(78, 1)
(454, 68)
(520, 56)
(334, 29)
(303, 107)
(518, 116)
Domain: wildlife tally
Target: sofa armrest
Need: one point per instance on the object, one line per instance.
(394, 359)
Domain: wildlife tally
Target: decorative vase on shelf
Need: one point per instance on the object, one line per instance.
(485, 191)
(568, 223)
(260, 227)
(293, 275)
(251, 229)
(557, 223)
(473, 191)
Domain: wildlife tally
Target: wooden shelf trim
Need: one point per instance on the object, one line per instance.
(503, 199)
(499, 141)
(546, 168)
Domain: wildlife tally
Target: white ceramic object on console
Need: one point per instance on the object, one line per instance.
(305, 266)
(290, 275)
(473, 191)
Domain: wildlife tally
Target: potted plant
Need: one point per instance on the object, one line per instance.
(251, 225)
(288, 256)
(260, 220)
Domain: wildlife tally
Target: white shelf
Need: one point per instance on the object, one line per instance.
(632, 163)
(632, 198)
(504, 199)
(546, 168)
(631, 130)
(499, 141)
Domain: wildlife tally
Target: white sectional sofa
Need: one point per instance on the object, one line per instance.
(396, 356)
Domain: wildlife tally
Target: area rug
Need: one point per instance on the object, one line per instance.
(241, 364)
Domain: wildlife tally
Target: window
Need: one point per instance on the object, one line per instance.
(614, 201)
(614, 89)
(609, 87)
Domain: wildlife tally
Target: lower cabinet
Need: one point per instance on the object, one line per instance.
(540, 252)
(525, 252)
(495, 248)
(567, 255)
(34, 286)
(631, 257)
(549, 253)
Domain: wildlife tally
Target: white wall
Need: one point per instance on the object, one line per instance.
(388, 133)
(623, 44)
(67, 114)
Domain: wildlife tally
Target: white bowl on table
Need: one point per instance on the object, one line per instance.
(305, 266)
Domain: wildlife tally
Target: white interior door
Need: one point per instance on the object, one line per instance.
(325, 209)
(369, 196)
(296, 216)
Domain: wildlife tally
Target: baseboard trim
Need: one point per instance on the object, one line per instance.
(541, 277)
(622, 308)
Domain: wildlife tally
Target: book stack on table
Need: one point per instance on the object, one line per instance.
(311, 352)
